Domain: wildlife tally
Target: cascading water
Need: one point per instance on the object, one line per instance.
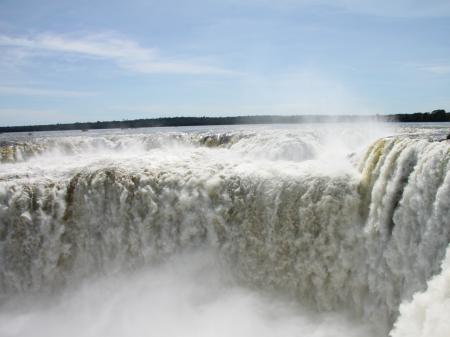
(352, 222)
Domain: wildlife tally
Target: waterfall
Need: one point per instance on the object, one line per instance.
(360, 229)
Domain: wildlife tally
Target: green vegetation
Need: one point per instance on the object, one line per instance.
(434, 116)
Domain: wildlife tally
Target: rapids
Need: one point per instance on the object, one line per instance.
(348, 220)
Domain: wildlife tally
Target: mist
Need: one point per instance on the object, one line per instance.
(192, 294)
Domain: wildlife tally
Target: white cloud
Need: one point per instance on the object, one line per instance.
(26, 91)
(303, 92)
(385, 8)
(125, 53)
(397, 8)
(12, 116)
(437, 67)
(442, 69)
(307, 91)
(299, 108)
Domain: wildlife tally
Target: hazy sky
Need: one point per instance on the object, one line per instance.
(87, 60)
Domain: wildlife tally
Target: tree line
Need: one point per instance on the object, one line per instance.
(434, 116)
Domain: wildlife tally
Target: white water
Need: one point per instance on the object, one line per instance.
(427, 313)
(187, 296)
(346, 225)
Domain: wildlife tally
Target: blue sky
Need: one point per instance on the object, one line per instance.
(65, 61)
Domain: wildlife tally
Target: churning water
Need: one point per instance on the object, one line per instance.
(325, 230)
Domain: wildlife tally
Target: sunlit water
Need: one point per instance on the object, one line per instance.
(312, 230)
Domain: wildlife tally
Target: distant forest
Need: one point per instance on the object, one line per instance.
(434, 116)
